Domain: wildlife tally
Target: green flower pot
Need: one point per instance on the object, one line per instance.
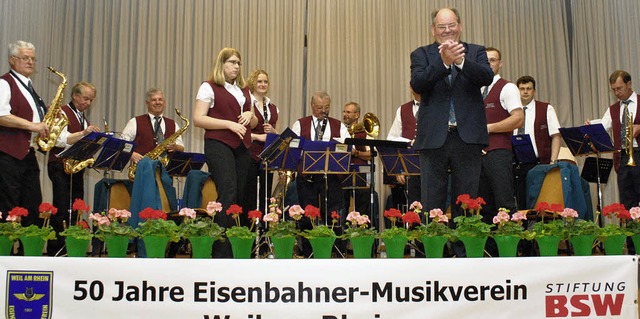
(582, 245)
(636, 242)
(201, 246)
(614, 245)
(155, 245)
(548, 245)
(362, 246)
(507, 245)
(474, 246)
(395, 246)
(32, 245)
(322, 247)
(117, 246)
(76, 247)
(241, 247)
(5, 245)
(283, 246)
(434, 246)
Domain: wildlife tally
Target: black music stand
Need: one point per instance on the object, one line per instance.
(523, 149)
(398, 161)
(586, 140)
(181, 163)
(374, 147)
(281, 152)
(115, 154)
(325, 158)
(595, 169)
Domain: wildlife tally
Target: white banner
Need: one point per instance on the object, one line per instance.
(536, 287)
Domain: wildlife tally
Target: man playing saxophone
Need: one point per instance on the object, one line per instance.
(149, 130)
(21, 113)
(622, 120)
(67, 186)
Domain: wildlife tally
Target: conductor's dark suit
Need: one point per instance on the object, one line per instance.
(443, 146)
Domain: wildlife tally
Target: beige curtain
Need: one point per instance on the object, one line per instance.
(357, 50)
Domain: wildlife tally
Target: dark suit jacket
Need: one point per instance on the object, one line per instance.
(429, 78)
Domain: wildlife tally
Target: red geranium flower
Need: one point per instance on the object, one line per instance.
(335, 215)
(542, 207)
(150, 213)
(311, 211)
(83, 224)
(235, 210)
(411, 218)
(393, 213)
(255, 214)
(80, 205)
(47, 208)
(18, 211)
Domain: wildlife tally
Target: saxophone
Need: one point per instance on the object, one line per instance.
(628, 138)
(160, 148)
(55, 118)
(72, 166)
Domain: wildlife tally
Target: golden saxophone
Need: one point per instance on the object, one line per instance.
(628, 139)
(72, 166)
(55, 118)
(160, 148)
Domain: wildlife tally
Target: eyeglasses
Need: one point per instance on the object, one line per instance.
(25, 58)
(234, 62)
(444, 27)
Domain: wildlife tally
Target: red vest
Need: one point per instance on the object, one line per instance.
(73, 127)
(408, 121)
(496, 113)
(227, 108)
(305, 127)
(541, 131)
(256, 146)
(144, 133)
(13, 141)
(614, 111)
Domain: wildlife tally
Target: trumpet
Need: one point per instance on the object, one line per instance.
(628, 138)
(370, 125)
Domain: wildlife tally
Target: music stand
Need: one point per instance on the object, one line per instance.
(115, 154)
(325, 158)
(398, 161)
(595, 169)
(181, 163)
(281, 152)
(586, 140)
(523, 149)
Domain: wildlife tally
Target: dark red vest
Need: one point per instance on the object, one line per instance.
(73, 127)
(614, 111)
(541, 130)
(144, 133)
(496, 113)
(408, 121)
(305, 127)
(227, 108)
(258, 146)
(13, 141)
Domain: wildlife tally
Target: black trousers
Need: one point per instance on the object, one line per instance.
(66, 188)
(228, 168)
(20, 186)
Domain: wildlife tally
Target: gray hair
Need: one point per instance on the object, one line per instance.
(153, 91)
(14, 48)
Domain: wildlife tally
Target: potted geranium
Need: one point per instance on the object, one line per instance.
(549, 233)
(113, 229)
(470, 229)
(201, 232)
(156, 231)
(395, 238)
(78, 235)
(360, 234)
(582, 233)
(32, 236)
(633, 226)
(435, 234)
(509, 231)
(242, 237)
(282, 233)
(321, 237)
(614, 234)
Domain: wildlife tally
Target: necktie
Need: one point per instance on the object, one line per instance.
(157, 131)
(485, 91)
(623, 127)
(319, 130)
(81, 115)
(524, 123)
(36, 99)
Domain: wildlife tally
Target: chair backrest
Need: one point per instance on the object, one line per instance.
(209, 192)
(119, 197)
(166, 207)
(551, 190)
